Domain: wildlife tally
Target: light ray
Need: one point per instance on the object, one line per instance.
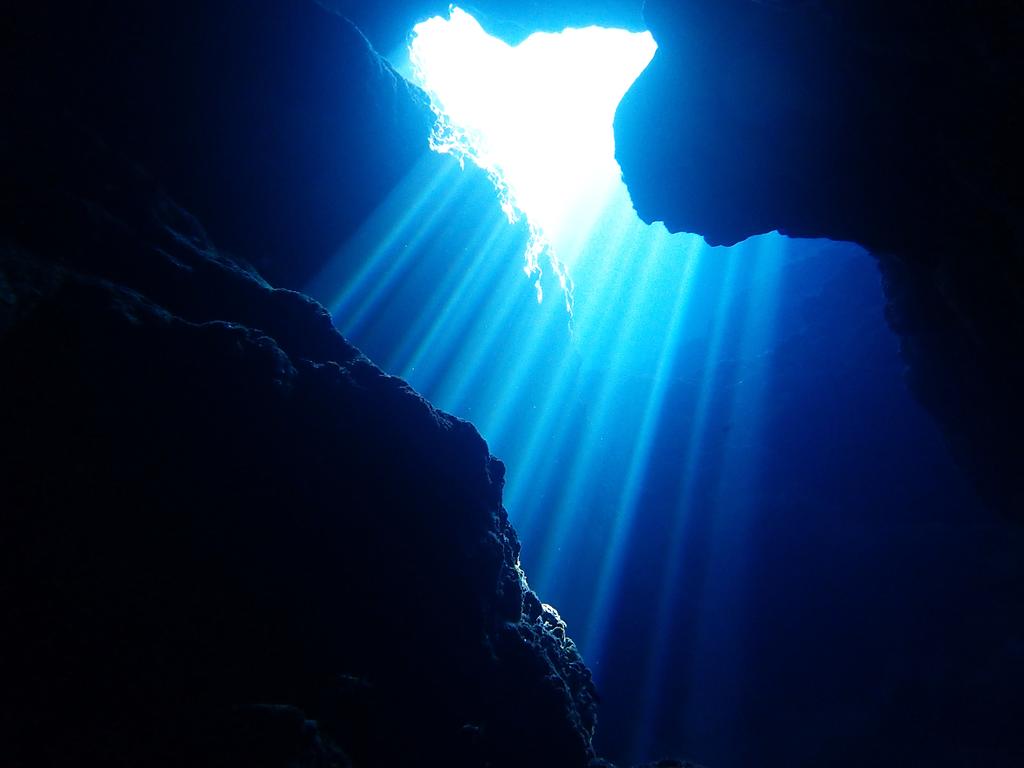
(451, 294)
(596, 627)
(336, 285)
(536, 453)
(674, 560)
(607, 399)
(588, 423)
(537, 117)
(357, 307)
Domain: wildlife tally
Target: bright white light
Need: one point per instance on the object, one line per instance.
(537, 117)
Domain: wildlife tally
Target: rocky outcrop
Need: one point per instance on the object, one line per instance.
(221, 519)
(273, 122)
(894, 125)
(227, 537)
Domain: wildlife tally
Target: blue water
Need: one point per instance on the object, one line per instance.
(758, 538)
(756, 535)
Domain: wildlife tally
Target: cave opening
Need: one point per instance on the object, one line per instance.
(537, 117)
(674, 467)
(234, 535)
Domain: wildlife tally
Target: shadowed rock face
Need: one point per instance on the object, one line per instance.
(895, 125)
(220, 519)
(228, 538)
(273, 122)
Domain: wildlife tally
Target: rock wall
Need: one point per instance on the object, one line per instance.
(894, 125)
(227, 537)
(272, 121)
(221, 520)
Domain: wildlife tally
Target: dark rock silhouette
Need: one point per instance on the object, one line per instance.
(227, 537)
(895, 125)
(220, 518)
(273, 122)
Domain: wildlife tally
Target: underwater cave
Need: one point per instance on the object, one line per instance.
(513, 384)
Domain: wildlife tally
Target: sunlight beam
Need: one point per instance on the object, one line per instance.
(537, 117)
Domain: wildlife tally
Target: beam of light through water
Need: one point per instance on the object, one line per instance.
(383, 237)
(554, 432)
(607, 400)
(672, 570)
(392, 270)
(612, 435)
(537, 117)
(452, 292)
(726, 545)
(628, 502)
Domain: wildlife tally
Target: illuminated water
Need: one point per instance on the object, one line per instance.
(538, 118)
(718, 475)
